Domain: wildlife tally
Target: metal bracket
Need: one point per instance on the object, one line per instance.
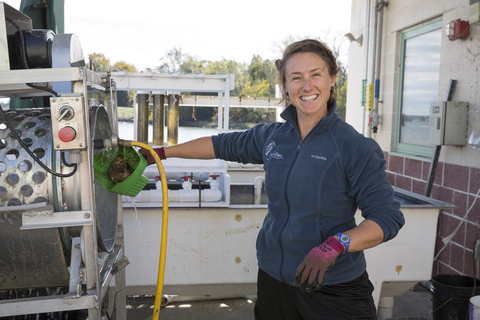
(48, 219)
(120, 265)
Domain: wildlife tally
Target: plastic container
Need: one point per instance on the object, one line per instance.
(451, 295)
(474, 313)
(130, 186)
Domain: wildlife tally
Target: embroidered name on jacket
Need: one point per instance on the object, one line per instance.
(270, 151)
(314, 156)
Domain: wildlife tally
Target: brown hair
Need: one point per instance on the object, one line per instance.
(307, 45)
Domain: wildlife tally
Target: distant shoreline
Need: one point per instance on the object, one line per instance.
(199, 124)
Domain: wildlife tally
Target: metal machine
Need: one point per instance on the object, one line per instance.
(61, 233)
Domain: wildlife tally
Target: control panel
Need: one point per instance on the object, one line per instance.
(68, 125)
(448, 123)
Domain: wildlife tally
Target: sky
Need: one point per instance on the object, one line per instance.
(140, 32)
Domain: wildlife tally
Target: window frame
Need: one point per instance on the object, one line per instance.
(404, 148)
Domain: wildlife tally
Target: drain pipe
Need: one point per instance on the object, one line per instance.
(371, 66)
(365, 64)
(378, 56)
(258, 185)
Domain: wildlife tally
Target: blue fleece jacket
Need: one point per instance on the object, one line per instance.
(314, 187)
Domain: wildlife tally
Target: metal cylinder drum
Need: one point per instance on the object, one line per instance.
(36, 258)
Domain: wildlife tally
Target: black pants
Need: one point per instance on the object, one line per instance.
(350, 300)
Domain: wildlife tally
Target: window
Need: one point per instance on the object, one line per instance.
(419, 81)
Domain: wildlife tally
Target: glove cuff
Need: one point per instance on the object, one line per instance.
(161, 153)
(335, 244)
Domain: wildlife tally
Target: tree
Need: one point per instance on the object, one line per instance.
(172, 61)
(122, 65)
(342, 100)
(100, 62)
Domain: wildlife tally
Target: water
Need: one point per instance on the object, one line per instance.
(126, 132)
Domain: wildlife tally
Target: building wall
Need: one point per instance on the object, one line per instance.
(457, 180)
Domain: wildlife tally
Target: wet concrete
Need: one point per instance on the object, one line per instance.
(413, 305)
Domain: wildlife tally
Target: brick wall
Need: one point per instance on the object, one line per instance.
(454, 184)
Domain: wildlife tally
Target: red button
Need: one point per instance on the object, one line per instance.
(67, 134)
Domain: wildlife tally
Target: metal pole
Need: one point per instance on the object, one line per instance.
(158, 119)
(173, 118)
(378, 56)
(371, 65)
(142, 117)
(220, 112)
(365, 63)
(226, 123)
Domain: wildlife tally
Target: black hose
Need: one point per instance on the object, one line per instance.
(474, 266)
(62, 155)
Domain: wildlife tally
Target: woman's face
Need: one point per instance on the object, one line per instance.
(308, 84)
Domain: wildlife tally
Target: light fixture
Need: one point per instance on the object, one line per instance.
(352, 38)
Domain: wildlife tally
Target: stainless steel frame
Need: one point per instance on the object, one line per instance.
(95, 272)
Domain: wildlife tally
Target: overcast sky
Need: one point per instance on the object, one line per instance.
(140, 32)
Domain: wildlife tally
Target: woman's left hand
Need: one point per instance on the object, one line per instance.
(317, 262)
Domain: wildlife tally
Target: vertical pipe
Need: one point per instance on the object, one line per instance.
(371, 65)
(142, 117)
(378, 58)
(227, 104)
(173, 119)
(220, 112)
(158, 119)
(365, 63)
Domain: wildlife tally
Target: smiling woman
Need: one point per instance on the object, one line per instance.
(308, 83)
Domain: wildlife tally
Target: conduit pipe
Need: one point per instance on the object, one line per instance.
(371, 65)
(378, 56)
(187, 194)
(177, 176)
(365, 64)
(158, 119)
(258, 186)
(173, 119)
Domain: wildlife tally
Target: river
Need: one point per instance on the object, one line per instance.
(126, 132)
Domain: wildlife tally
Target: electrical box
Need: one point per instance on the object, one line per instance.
(68, 124)
(448, 123)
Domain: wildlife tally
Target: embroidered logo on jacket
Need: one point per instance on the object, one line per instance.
(314, 156)
(270, 151)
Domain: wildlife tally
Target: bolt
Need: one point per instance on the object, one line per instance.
(81, 144)
(77, 99)
(53, 100)
(58, 146)
(119, 226)
(77, 246)
(87, 215)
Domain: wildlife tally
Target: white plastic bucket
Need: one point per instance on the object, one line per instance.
(474, 313)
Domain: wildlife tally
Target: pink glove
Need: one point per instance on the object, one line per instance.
(317, 262)
(148, 156)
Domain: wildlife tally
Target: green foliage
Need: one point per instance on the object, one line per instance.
(342, 99)
(100, 62)
(122, 65)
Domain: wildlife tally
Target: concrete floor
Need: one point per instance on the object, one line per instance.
(413, 305)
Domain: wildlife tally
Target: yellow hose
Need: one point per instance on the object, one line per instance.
(163, 245)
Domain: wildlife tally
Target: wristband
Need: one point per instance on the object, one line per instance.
(344, 240)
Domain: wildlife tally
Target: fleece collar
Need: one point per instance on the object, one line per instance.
(290, 115)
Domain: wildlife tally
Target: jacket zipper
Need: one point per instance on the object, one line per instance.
(288, 211)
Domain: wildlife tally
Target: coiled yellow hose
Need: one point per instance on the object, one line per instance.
(163, 245)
